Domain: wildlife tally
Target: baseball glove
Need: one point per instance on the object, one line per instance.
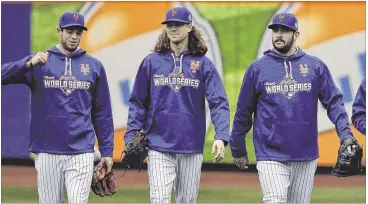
(135, 152)
(348, 163)
(103, 184)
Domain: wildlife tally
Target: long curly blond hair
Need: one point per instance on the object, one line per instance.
(196, 43)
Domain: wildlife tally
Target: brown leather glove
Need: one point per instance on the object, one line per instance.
(103, 184)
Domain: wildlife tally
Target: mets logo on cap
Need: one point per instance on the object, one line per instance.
(75, 16)
(281, 17)
(173, 12)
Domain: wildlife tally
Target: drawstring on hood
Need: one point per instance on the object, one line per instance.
(176, 69)
(68, 69)
(286, 70)
(298, 54)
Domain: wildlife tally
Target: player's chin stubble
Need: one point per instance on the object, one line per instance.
(285, 48)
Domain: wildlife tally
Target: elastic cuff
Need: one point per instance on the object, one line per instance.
(345, 136)
(106, 152)
(239, 154)
(221, 136)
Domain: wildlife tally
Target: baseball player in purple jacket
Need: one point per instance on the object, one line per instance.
(282, 89)
(70, 105)
(168, 104)
(359, 109)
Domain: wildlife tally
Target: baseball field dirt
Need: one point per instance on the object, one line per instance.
(26, 176)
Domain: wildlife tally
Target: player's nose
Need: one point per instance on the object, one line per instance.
(74, 35)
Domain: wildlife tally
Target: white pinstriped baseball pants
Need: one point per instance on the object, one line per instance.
(166, 170)
(56, 172)
(286, 182)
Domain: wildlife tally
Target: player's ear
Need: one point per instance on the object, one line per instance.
(59, 31)
(296, 35)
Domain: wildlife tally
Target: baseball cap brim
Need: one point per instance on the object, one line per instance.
(174, 20)
(280, 24)
(71, 25)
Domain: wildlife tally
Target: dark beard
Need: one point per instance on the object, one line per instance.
(284, 49)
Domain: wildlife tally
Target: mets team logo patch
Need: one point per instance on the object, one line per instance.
(303, 69)
(194, 66)
(84, 69)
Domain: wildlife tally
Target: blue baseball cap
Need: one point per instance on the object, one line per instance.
(69, 19)
(178, 14)
(284, 19)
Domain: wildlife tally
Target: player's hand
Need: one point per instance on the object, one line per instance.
(40, 58)
(350, 148)
(108, 161)
(349, 143)
(122, 156)
(241, 163)
(219, 148)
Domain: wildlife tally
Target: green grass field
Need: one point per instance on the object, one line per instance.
(215, 195)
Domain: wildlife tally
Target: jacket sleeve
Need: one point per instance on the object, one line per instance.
(138, 101)
(102, 115)
(332, 100)
(217, 101)
(243, 120)
(16, 72)
(359, 109)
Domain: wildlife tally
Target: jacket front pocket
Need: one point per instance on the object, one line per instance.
(291, 137)
(65, 132)
(179, 129)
